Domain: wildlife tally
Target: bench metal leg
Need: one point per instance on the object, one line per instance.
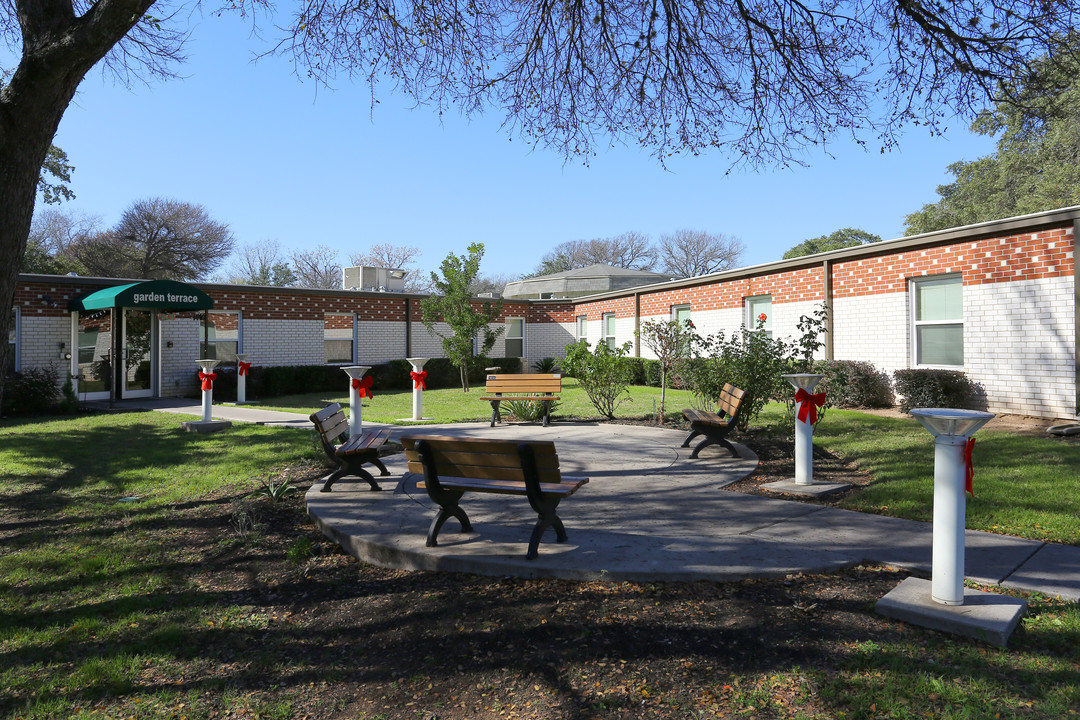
(547, 519)
(547, 412)
(353, 467)
(693, 434)
(495, 412)
(714, 441)
(451, 509)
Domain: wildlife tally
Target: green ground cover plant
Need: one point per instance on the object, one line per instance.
(1025, 486)
(141, 578)
(452, 405)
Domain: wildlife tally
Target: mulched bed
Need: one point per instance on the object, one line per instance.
(351, 640)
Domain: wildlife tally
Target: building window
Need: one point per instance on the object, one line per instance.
(759, 314)
(609, 330)
(338, 336)
(515, 338)
(582, 327)
(680, 314)
(222, 335)
(13, 342)
(938, 313)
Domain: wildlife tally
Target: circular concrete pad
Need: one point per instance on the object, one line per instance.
(649, 512)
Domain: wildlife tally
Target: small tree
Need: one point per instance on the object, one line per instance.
(604, 374)
(670, 342)
(452, 303)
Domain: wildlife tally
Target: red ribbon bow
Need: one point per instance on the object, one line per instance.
(207, 380)
(418, 379)
(969, 469)
(242, 367)
(808, 405)
(364, 386)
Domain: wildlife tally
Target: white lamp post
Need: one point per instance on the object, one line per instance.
(356, 420)
(419, 378)
(242, 367)
(951, 430)
(806, 404)
(206, 378)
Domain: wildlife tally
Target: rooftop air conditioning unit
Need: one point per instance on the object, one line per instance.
(373, 278)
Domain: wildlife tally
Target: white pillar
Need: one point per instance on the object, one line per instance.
(356, 420)
(950, 519)
(417, 393)
(207, 366)
(804, 429)
(951, 430)
(241, 380)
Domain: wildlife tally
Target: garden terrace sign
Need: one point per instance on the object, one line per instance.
(153, 294)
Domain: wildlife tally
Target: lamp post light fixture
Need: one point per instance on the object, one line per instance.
(951, 430)
(356, 374)
(805, 414)
(206, 371)
(419, 378)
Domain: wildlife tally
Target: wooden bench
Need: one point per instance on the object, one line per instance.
(530, 387)
(353, 452)
(453, 466)
(715, 426)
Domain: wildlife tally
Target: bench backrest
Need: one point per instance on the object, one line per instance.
(547, 383)
(486, 458)
(730, 400)
(331, 423)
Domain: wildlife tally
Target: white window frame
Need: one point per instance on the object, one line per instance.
(582, 327)
(751, 319)
(675, 309)
(609, 340)
(508, 337)
(352, 339)
(913, 284)
(15, 341)
(212, 342)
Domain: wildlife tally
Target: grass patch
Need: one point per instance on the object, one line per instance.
(1024, 486)
(447, 405)
(161, 607)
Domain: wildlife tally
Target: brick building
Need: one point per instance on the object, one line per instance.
(997, 300)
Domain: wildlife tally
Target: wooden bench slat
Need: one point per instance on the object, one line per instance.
(520, 397)
(354, 452)
(506, 487)
(547, 386)
(715, 426)
(543, 461)
(488, 445)
(488, 472)
(368, 440)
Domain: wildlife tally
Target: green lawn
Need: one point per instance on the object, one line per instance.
(106, 519)
(452, 405)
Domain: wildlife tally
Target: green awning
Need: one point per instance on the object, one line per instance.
(152, 294)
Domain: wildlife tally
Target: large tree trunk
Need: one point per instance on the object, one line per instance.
(58, 50)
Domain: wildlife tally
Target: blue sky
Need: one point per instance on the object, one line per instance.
(277, 158)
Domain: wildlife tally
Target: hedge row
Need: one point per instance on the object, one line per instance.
(272, 381)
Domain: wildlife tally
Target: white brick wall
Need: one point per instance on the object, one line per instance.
(874, 329)
(380, 342)
(179, 374)
(547, 340)
(1028, 325)
(39, 342)
(284, 342)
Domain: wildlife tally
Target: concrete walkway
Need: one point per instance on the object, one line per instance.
(648, 513)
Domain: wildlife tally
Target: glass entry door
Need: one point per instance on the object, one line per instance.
(138, 353)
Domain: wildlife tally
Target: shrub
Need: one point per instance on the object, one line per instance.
(645, 371)
(527, 410)
(546, 365)
(604, 374)
(923, 388)
(851, 383)
(31, 391)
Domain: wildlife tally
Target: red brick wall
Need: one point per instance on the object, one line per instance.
(1026, 256)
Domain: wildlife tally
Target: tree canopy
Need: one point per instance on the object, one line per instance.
(452, 304)
(692, 253)
(1035, 165)
(157, 239)
(762, 81)
(842, 238)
